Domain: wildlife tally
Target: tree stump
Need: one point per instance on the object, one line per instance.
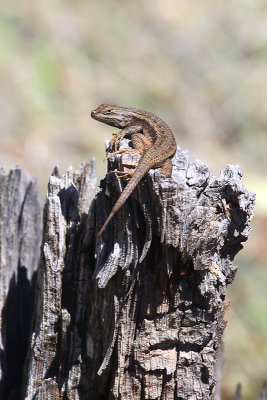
(138, 313)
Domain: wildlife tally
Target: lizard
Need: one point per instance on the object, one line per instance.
(150, 136)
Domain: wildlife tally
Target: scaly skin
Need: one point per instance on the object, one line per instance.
(150, 136)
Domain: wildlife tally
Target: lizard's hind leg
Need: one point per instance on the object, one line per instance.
(141, 142)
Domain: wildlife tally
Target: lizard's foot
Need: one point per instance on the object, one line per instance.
(123, 174)
(124, 151)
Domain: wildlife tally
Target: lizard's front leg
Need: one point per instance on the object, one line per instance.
(128, 131)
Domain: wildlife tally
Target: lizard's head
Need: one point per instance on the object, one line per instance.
(112, 115)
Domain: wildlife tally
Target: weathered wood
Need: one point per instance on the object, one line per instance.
(138, 313)
(20, 239)
(54, 363)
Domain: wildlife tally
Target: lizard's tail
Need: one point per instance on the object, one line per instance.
(140, 171)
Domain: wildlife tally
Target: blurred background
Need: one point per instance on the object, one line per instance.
(201, 66)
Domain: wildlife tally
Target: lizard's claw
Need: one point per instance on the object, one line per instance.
(123, 174)
(116, 137)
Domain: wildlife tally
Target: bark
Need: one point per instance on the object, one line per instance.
(138, 313)
(20, 239)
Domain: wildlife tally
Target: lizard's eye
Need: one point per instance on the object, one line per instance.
(108, 111)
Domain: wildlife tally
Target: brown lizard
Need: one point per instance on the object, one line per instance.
(150, 136)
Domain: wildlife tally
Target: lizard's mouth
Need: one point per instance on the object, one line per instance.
(108, 119)
(100, 116)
